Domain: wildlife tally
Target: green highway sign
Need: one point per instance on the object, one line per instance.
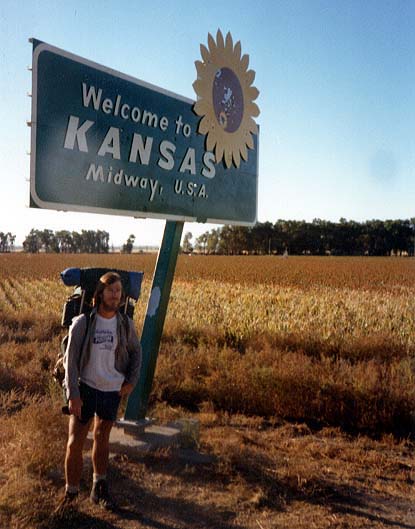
(105, 142)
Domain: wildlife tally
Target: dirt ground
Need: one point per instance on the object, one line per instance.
(259, 475)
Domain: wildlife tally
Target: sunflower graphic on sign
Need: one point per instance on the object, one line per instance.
(226, 99)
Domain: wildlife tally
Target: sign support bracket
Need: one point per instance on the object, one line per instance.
(154, 320)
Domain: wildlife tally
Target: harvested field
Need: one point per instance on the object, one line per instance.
(300, 370)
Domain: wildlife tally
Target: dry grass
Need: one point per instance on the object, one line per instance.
(368, 396)
(249, 343)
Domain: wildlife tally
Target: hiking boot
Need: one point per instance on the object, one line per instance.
(100, 495)
(67, 503)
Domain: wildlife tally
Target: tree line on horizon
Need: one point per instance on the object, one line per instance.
(319, 237)
(64, 241)
(298, 237)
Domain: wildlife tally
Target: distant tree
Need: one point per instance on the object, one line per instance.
(48, 241)
(376, 239)
(32, 242)
(127, 247)
(261, 236)
(64, 241)
(103, 239)
(88, 241)
(234, 240)
(201, 242)
(187, 245)
(6, 241)
(213, 238)
(76, 242)
(11, 241)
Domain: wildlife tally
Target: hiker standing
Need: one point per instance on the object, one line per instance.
(102, 364)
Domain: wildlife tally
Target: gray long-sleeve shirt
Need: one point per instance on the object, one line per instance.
(128, 353)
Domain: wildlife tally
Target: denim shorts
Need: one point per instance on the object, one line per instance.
(104, 404)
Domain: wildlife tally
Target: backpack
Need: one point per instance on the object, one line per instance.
(80, 302)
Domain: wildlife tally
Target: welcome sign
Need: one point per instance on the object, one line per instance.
(105, 142)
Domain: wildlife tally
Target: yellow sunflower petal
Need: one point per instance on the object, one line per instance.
(219, 151)
(200, 87)
(200, 67)
(252, 126)
(252, 109)
(200, 107)
(229, 41)
(204, 53)
(204, 125)
(211, 43)
(252, 92)
(236, 157)
(249, 77)
(228, 158)
(237, 142)
(245, 62)
(244, 152)
(220, 45)
(210, 142)
(237, 51)
(249, 141)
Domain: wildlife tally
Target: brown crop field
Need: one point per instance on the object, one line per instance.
(300, 371)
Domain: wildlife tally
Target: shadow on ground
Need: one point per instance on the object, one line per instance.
(339, 499)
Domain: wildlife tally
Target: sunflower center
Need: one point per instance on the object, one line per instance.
(228, 99)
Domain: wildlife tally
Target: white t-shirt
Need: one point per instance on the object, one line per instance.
(100, 372)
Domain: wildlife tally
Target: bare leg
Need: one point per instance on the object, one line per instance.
(73, 460)
(100, 449)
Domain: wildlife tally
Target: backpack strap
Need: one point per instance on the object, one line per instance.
(88, 320)
(126, 322)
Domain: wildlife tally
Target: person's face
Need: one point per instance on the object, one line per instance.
(111, 297)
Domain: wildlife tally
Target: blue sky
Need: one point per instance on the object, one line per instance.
(337, 93)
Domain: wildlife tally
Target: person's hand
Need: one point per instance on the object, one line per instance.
(126, 389)
(75, 406)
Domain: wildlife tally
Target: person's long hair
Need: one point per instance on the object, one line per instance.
(104, 281)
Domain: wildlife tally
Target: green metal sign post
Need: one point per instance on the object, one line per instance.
(155, 316)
